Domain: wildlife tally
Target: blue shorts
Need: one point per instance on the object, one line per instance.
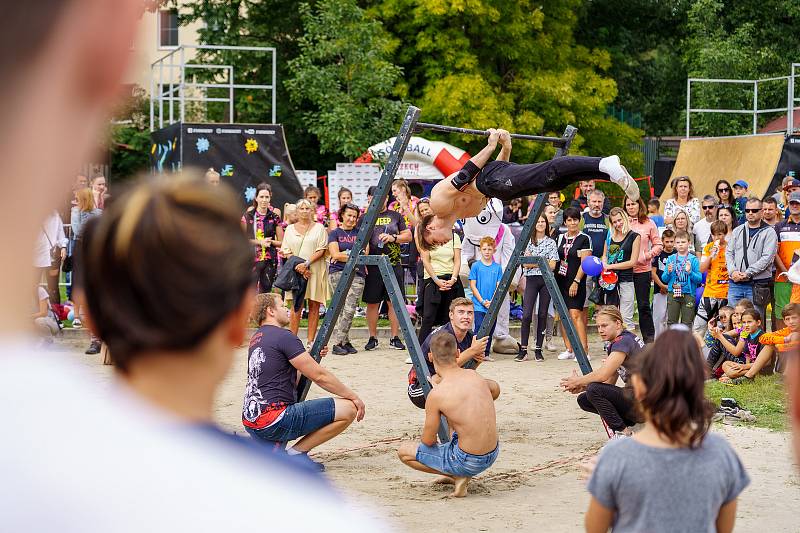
(298, 420)
(449, 459)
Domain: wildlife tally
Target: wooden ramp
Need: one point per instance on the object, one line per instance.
(753, 158)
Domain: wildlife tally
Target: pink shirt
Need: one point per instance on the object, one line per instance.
(650, 244)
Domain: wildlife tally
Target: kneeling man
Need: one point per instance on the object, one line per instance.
(465, 399)
(271, 411)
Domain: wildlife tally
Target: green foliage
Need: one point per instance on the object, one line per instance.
(739, 40)
(489, 63)
(342, 78)
(765, 397)
(129, 138)
(643, 38)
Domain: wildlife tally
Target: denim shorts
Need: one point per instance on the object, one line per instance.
(449, 459)
(298, 420)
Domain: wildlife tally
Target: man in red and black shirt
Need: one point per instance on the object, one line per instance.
(462, 316)
(271, 411)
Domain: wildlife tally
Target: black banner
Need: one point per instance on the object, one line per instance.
(243, 154)
(790, 162)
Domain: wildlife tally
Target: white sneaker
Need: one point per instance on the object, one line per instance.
(566, 355)
(619, 175)
(409, 361)
(550, 347)
(618, 435)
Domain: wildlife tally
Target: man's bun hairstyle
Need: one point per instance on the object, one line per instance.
(164, 265)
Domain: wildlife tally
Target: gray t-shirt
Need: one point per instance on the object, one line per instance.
(667, 489)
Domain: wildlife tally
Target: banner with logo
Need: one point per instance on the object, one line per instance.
(243, 154)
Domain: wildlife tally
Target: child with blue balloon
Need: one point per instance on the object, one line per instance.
(682, 277)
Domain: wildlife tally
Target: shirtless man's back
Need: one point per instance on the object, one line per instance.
(465, 399)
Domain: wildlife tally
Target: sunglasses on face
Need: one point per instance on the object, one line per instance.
(708, 207)
(752, 210)
(723, 190)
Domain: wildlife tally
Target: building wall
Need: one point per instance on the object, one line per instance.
(146, 49)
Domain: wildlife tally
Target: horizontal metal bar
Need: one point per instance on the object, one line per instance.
(225, 47)
(774, 110)
(226, 86)
(193, 99)
(709, 80)
(467, 131)
(732, 111)
(204, 65)
(773, 79)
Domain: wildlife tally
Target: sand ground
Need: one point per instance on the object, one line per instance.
(533, 486)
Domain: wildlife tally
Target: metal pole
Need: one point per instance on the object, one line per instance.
(170, 75)
(367, 224)
(274, 85)
(230, 95)
(152, 102)
(688, 104)
(755, 107)
(790, 103)
(182, 101)
(557, 141)
(160, 90)
(414, 349)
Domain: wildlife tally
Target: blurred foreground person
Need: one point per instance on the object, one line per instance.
(106, 459)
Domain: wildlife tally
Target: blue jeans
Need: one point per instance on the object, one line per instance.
(298, 420)
(739, 291)
(479, 317)
(449, 459)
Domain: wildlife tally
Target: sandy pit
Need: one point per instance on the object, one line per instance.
(533, 486)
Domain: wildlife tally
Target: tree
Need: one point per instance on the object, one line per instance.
(644, 39)
(488, 63)
(256, 23)
(343, 78)
(742, 39)
(129, 137)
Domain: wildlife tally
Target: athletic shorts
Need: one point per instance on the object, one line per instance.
(298, 420)
(449, 459)
(375, 288)
(783, 293)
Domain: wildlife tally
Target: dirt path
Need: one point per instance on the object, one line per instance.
(534, 484)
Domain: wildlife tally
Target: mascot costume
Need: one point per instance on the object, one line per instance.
(489, 223)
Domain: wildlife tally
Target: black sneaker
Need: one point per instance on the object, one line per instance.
(372, 343)
(537, 355)
(338, 349)
(349, 347)
(94, 349)
(397, 344)
(522, 356)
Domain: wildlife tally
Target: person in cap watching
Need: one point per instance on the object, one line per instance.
(740, 199)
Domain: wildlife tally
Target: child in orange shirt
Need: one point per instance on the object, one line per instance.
(787, 338)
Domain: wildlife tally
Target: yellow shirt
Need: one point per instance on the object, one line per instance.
(442, 257)
(717, 277)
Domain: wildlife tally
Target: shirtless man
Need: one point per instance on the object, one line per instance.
(465, 399)
(465, 193)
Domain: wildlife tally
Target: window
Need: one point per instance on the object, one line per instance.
(168, 28)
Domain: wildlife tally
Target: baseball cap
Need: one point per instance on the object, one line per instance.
(794, 197)
(793, 183)
(740, 183)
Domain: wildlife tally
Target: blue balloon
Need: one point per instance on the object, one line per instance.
(592, 265)
(71, 315)
(698, 295)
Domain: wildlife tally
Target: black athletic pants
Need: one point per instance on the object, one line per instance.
(506, 181)
(610, 402)
(436, 305)
(641, 287)
(265, 274)
(534, 286)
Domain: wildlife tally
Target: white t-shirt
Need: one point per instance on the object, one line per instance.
(702, 232)
(80, 456)
(51, 234)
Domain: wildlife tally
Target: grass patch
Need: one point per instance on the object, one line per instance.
(765, 398)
